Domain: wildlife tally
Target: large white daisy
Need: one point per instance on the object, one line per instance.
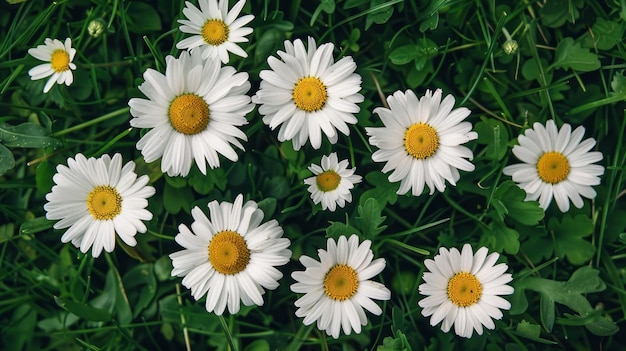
(307, 93)
(332, 182)
(338, 287)
(58, 57)
(96, 198)
(230, 257)
(216, 31)
(421, 141)
(194, 112)
(463, 288)
(556, 164)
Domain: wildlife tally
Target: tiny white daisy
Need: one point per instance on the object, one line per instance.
(332, 182)
(59, 65)
(97, 198)
(338, 287)
(194, 111)
(308, 93)
(421, 141)
(230, 257)
(556, 164)
(216, 31)
(463, 288)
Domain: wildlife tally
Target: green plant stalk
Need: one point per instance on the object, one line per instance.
(229, 335)
(92, 122)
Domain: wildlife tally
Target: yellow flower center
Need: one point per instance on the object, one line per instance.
(228, 252)
(464, 289)
(310, 94)
(215, 32)
(328, 181)
(104, 202)
(341, 282)
(189, 114)
(553, 167)
(60, 60)
(421, 141)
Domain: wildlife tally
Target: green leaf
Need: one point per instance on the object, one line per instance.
(570, 55)
(143, 18)
(618, 84)
(569, 234)
(370, 218)
(35, 225)
(258, 345)
(554, 13)
(492, 133)
(28, 135)
(604, 35)
(327, 6)
(546, 311)
(499, 237)
(43, 177)
(384, 192)
(175, 200)
(82, 310)
(140, 284)
(337, 229)
(512, 199)
(379, 16)
(531, 331)
(7, 161)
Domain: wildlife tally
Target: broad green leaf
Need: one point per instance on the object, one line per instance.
(35, 225)
(531, 331)
(83, 310)
(337, 229)
(384, 192)
(618, 83)
(379, 16)
(511, 197)
(499, 237)
(494, 134)
(268, 206)
(6, 232)
(142, 18)
(569, 234)
(43, 177)
(20, 328)
(554, 13)
(258, 345)
(604, 35)
(28, 135)
(140, 285)
(175, 200)
(327, 6)
(546, 311)
(570, 55)
(7, 161)
(370, 218)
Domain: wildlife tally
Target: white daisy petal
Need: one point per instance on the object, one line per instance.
(421, 141)
(186, 123)
(59, 57)
(308, 95)
(241, 256)
(335, 293)
(556, 164)
(466, 297)
(92, 200)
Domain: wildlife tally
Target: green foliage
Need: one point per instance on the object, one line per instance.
(570, 55)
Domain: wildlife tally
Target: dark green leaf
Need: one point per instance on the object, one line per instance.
(512, 198)
(35, 225)
(176, 199)
(83, 310)
(569, 234)
(532, 332)
(604, 34)
(142, 18)
(546, 311)
(337, 229)
(570, 55)
(554, 13)
(492, 133)
(370, 219)
(7, 161)
(28, 135)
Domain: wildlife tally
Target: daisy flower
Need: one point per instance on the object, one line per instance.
(307, 93)
(463, 288)
(193, 111)
(58, 57)
(230, 257)
(338, 287)
(556, 164)
(332, 182)
(216, 31)
(96, 198)
(421, 141)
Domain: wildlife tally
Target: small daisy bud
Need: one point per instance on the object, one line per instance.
(95, 27)
(510, 47)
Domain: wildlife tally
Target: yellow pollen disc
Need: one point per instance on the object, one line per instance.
(310, 94)
(60, 60)
(104, 202)
(341, 282)
(553, 167)
(464, 289)
(228, 252)
(189, 114)
(215, 32)
(328, 181)
(421, 141)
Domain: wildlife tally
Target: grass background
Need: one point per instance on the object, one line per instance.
(567, 64)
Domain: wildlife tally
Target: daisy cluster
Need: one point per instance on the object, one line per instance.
(192, 115)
